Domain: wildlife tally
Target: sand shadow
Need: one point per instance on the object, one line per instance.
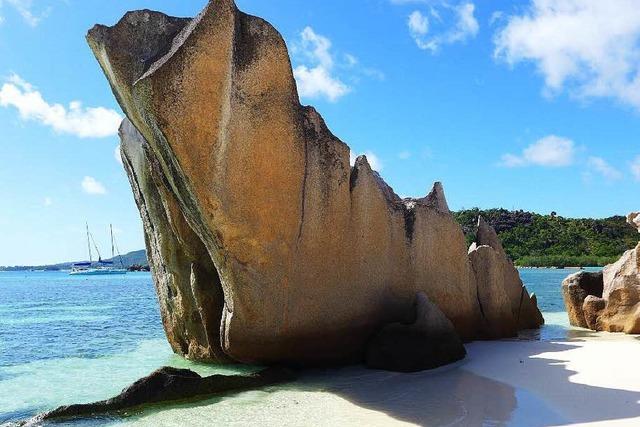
(452, 396)
(459, 396)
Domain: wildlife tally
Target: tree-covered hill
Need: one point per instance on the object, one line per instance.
(532, 239)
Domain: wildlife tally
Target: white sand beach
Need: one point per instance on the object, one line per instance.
(584, 379)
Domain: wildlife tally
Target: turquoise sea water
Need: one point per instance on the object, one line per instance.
(66, 339)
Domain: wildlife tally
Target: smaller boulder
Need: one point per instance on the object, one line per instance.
(427, 343)
(505, 304)
(575, 290)
(529, 316)
(592, 308)
(622, 311)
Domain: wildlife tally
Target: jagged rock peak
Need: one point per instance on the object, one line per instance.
(437, 199)
(634, 219)
(486, 235)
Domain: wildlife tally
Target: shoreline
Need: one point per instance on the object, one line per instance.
(570, 381)
(557, 376)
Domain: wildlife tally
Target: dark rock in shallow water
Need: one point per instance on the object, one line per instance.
(431, 341)
(169, 384)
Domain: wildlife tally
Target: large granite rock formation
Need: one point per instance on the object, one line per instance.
(265, 244)
(609, 300)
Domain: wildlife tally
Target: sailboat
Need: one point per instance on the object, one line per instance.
(101, 267)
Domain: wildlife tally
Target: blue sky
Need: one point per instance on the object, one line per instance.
(531, 105)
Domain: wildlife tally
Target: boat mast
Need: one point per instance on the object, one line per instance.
(112, 251)
(90, 236)
(114, 245)
(89, 243)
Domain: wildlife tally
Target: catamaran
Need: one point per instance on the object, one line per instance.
(101, 267)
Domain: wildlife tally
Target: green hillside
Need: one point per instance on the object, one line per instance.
(549, 240)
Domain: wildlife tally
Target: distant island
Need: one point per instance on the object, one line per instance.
(534, 240)
(133, 261)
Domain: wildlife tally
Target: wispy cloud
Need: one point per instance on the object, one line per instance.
(455, 23)
(404, 155)
(418, 25)
(25, 10)
(602, 167)
(83, 122)
(550, 151)
(316, 78)
(93, 187)
(47, 201)
(323, 73)
(587, 47)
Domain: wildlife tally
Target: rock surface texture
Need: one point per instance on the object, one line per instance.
(610, 300)
(266, 246)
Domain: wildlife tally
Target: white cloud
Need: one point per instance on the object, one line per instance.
(117, 155)
(372, 158)
(418, 24)
(317, 47)
(601, 166)
(89, 122)
(318, 82)
(351, 60)
(91, 186)
(465, 25)
(635, 168)
(512, 161)
(552, 151)
(24, 8)
(591, 48)
(322, 73)
(47, 201)
(316, 79)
